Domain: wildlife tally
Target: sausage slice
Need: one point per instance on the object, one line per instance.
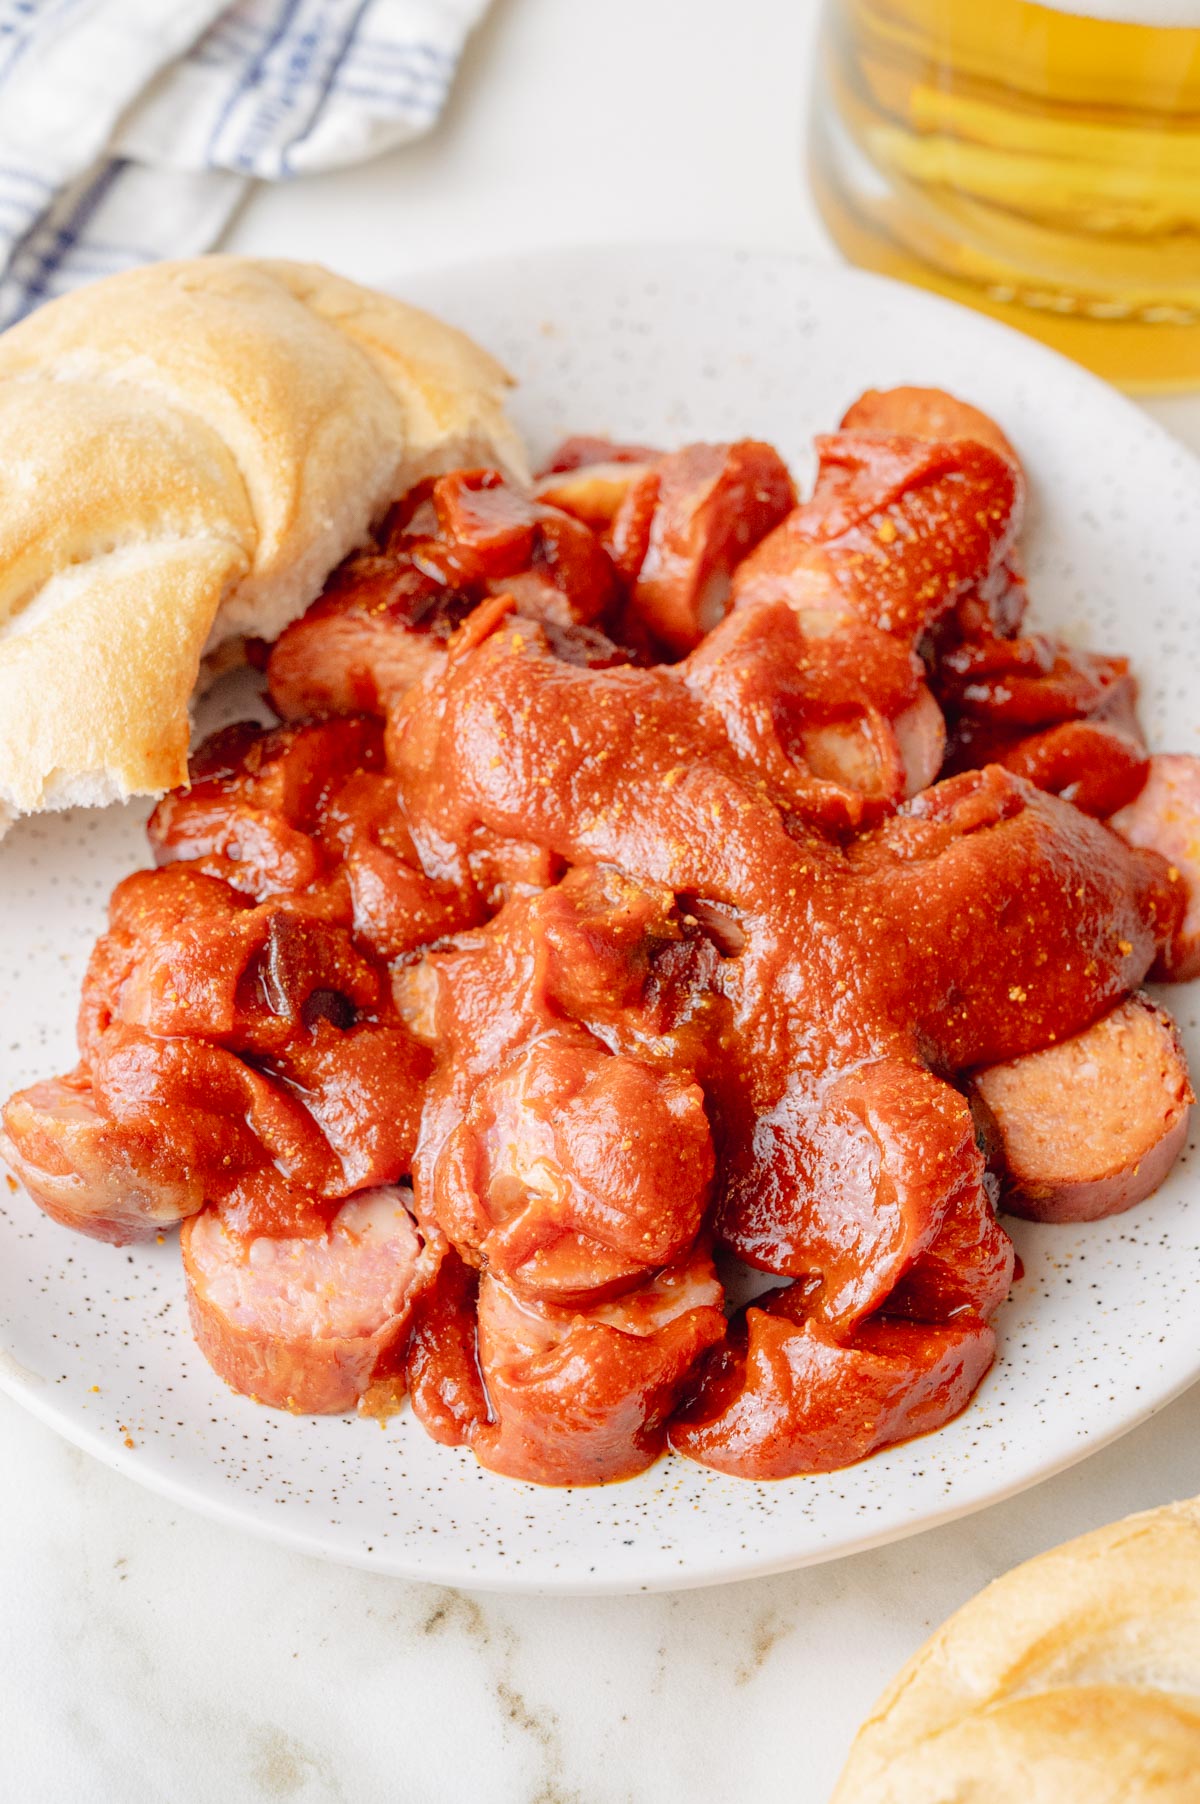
(920, 732)
(898, 529)
(582, 1397)
(1166, 817)
(783, 1395)
(89, 1172)
(353, 657)
(590, 492)
(924, 413)
(683, 528)
(309, 1324)
(576, 1171)
(1091, 1126)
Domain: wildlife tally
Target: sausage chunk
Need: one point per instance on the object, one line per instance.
(308, 1324)
(387, 615)
(969, 1265)
(583, 450)
(683, 528)
(87, 1171)
(784, 1395)
(441, 1365)
(819, 701)
(590, 492)
(583, 1398)
(1091, 1126)
(365, 643)
(852, 1178)
(255, 799)
(898, 529)
(576, 1170)
(1166, 817)
(924, 413)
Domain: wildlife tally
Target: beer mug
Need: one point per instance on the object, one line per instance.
(1039, 161)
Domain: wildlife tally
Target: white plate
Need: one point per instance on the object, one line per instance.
(664, 345)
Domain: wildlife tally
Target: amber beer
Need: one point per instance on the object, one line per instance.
(1041, 162)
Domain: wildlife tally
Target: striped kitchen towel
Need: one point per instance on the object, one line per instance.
(131, 129)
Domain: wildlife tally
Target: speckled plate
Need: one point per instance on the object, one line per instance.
(660, 345)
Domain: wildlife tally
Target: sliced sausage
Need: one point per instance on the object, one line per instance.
(511, 542)
(309, 1324)
(684, 527)
(363, 1085)
(386, 618)
(157, 1129)
(147, 911)
(590, 492)
(920, 731)
(583, 1398)
(969, 1265)
(255, 799)
(1090, 1127)
(850, 1178)
(924, 413)
(899, 530)
(998, 605)
(985, 860)
(397, 908)
(441, 1366)
(352, 654)
(194, 964)
(1033, 681)
(203, 1108)
(87, 1171)
(581, 449)
(783, 1396)
(1166, 818)
(576, 1169)
(824, 696)
(289, 771)
(1097, 765)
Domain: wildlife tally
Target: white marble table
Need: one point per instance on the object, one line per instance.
(149, 1655)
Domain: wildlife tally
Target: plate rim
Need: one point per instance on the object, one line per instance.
(32, 1393)
(507, 1581)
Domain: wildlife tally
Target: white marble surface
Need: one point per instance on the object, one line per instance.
(149, 1655)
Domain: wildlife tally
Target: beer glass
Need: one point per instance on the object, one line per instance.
(1039, 161)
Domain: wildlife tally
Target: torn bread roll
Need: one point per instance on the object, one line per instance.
(1093, 1125)
(1074, 1679)
(188, 451)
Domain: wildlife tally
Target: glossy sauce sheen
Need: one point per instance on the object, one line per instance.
(610, 902)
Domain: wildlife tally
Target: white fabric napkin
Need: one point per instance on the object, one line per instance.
(131, 129)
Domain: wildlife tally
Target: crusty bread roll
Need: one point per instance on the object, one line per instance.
(1074, 1679)
(186, 451)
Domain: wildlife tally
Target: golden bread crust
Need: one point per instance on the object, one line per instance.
(188, 450)
(1074, 1679)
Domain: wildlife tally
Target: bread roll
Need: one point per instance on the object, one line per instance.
(186, 451)
(1074, 1679)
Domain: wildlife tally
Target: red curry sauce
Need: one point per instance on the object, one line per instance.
(601, 883)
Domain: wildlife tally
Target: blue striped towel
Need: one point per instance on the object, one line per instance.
(132, 129)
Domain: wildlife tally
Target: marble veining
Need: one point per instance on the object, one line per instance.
(150, 1654)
